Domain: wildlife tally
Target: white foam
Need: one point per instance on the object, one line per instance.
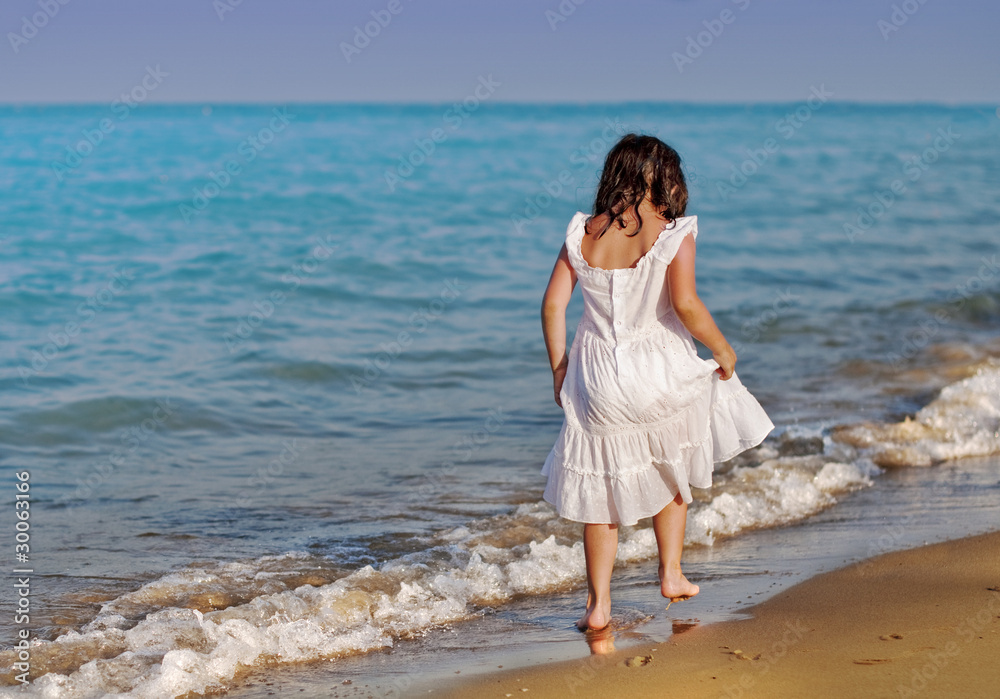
(778, 491)
(963, 421)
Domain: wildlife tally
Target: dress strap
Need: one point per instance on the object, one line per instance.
(665, 248)
(574, 234)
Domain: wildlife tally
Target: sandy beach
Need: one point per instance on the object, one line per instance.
(920, 622)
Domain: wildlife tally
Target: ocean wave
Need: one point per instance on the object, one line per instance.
(963, 421)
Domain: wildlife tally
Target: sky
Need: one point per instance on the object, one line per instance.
(576, 51)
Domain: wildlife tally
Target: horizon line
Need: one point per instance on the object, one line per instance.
(487, 103)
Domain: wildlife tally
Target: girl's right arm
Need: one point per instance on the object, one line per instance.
(692, 312)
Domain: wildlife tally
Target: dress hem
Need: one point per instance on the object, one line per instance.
(745, 444)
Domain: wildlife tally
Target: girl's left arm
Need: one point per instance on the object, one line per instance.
(554, 303)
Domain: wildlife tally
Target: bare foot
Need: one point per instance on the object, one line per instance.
(598, 616)
(674, 586)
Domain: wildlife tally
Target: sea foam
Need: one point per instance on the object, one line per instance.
(963, 421)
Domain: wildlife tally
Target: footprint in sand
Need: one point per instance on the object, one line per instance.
(639, 660)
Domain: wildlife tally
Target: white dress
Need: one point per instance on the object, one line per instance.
(645, 417)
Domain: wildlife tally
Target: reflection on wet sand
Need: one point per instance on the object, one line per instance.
(601, 641)
(680, 627)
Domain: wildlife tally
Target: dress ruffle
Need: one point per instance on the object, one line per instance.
(624, 476)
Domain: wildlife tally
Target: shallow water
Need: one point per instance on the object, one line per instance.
(903, 509)
(216, 411)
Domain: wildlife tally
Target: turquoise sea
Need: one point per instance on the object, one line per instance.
(276, 379)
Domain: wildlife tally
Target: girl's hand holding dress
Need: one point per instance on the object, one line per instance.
(727, 362)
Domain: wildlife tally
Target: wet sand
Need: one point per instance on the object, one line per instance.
(921, 622)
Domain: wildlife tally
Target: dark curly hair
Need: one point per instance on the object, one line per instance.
(635, 165)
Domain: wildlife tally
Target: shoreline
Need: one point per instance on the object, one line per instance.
(905, 508)
(923, 621)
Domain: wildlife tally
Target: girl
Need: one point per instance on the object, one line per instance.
(645, 417)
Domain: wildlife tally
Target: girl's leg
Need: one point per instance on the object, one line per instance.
(600, 545)
(668, 525)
